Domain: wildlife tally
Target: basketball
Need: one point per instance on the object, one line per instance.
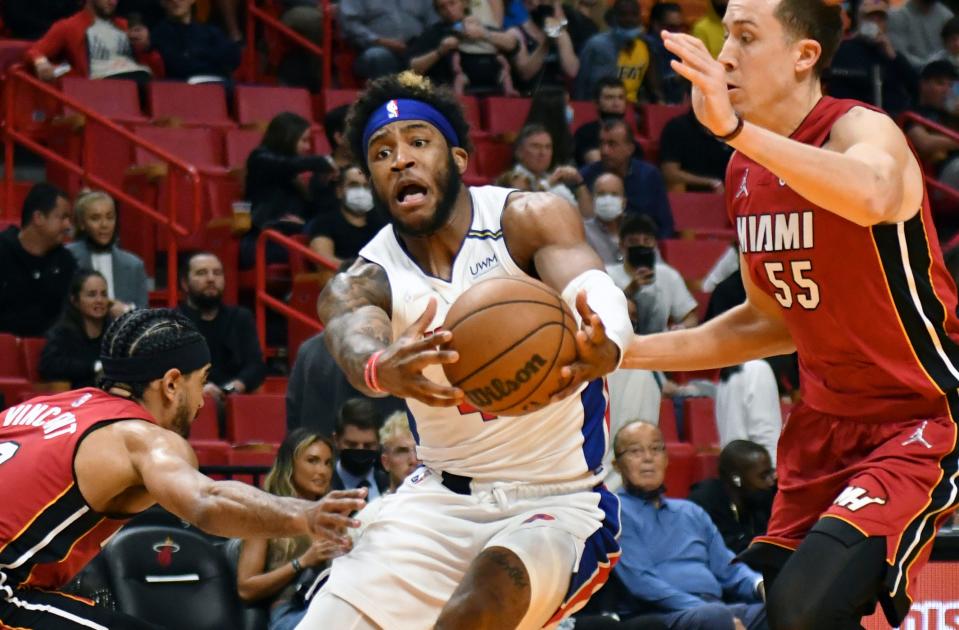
(513, 335)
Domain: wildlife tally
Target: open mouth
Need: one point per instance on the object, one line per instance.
(411, 194)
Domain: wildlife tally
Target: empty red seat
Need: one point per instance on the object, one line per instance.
(700, 214)
(197, 146)
(707, 466)
(655, 117)
(211, 452)
(257, 105)
(117, 100)
(261, 456)
(333, 98)
(681, 470)
(692, 258)
(31, 348)
(190, 104)
(583, 112)
(667, 420)
(13, 380)
(700, 418)
(239, 144)
(303, 297)
(256, 418)
(206, 425)
(492, 156)
(506, 115)
(473, 111)
(274, 385)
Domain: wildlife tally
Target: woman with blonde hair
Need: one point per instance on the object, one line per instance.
(269, 569)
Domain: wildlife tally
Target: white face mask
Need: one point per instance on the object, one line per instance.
(359, 200)
(608, 207)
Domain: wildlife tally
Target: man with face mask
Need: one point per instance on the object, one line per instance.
(740, 500)
(342, 234)
(358, 448)
(602, 231)
(915, 28)
(621, 51)
(709, 28)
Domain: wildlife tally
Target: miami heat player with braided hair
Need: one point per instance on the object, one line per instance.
(75, 465)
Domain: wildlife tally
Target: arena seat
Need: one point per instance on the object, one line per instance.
(239, 144)
(681, 471)
(692, 258)
(32, 348)
(698, 214)
(206, 426)
(667, 420)
(707, 466)
(252, 418)
(172, 577)
(306, 291)
(504, 115)
(13, 376)
(333, 98)
(700, 417)
(262, 455)
(493, 156)
(117, 100)
(257, 104)
(473, 112)
(655, 117)
(583, 112)
(200, 105)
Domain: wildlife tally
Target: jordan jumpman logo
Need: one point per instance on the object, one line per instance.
(918, 437)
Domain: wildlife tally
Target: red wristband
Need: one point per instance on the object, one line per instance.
(369, 373)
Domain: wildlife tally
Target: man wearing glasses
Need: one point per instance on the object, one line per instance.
(674, 564)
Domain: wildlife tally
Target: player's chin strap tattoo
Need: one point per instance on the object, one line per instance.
(606, 300)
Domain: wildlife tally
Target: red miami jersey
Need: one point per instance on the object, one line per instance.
(872, 310)
(47, 530)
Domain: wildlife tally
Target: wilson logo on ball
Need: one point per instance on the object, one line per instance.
(498, 389)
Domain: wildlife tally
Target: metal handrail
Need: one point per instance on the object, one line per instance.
(254, 13)
(932, 182)
(11, 136)
(264, 299)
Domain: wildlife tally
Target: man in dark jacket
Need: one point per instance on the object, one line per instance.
(230, 332)
(35, 267)
(190, 49)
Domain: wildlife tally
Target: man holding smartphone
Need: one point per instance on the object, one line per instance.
(658, 292)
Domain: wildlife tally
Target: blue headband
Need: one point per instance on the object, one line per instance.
(408, 109)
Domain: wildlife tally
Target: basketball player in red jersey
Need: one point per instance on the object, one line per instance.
(840, 262)
(74, 465)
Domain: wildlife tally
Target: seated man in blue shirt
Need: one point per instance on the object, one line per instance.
(674, 562)
(357, 443)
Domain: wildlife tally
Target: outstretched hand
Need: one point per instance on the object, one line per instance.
(710, 94)
(329, 518)
(399, 370)
(596, 354)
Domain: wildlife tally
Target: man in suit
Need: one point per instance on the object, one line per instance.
(358, 448)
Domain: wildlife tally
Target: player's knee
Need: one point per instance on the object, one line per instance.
(494, 592)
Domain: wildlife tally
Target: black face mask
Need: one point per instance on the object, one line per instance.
(639, 256)
(358, 461)
(758, 499)
(604, 117)
(540, 13)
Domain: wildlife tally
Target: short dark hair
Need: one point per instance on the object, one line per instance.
(950, 28)
(335, 122)
(42, 198)
(813, 19)
(360, 413)
(532, 129)
(736, 453)
(604, 83)
(660, 9)
(408, 85)
(186, 259)
(939, 69)
(611, 124)
(638, 224)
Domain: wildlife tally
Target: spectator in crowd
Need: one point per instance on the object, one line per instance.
(621, 51)
(674, 562)
(657, 290)
(936, 149)
(35, 267)
(610, 98)
(747, 405)
(341, 234)
(740, 500)
(193, 51)
(550, 107)
(318, 388)
(381, 31)
(691, 158)
(96, 45)
(399, 449)
(915, 28)
(30, 20)
(279, 197)
(950, 43)
(666, 16)
(645, 188)
(602, 230)
(323, 190)
(533, 153)
(579, 22)
(358, 448)
(147, 12)
(518, 178)
(867, 67)
(95, 247)
(72, 352)
(298, 66)
(546, 55)
(269, 569)
(236, 363)
(709, 28)
(462, 51)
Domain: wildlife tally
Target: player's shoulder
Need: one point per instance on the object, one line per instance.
(535, 205)
(861, 123)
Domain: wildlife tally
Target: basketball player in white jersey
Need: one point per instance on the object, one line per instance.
(507, 524)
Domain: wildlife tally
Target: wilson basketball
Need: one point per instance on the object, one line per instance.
(513, 335)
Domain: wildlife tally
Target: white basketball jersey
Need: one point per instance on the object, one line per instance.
(561, 442)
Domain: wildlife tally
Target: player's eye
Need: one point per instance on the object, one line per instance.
(382, 154)
(419, 143)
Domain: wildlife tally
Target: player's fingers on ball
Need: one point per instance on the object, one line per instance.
(582, 304)
(434, 357)
(423, 321)
(431, 342)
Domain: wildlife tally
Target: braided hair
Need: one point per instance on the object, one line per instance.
(142, 333)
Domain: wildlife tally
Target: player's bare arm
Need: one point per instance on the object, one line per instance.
(545, 234)
(866, 147)
(355, 308)
(128, 466)
(751, 330)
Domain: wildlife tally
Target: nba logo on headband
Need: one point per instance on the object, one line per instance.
(392, 109)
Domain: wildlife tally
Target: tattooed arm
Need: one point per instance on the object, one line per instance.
(355, 309)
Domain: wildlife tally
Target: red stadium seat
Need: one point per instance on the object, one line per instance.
(700, 418)
(206, 425)
(117, 100)
(699, 214)
(493, 156)
(321, 145)
(333, 98)
(239, 144)
(667, 420)
(471, 107)
(203, 105)
(211, 452)
(257, 105)
(681, 470)
(263, 456)
(583, 112)
(656, 116)
(303, 297)
(32, 347)
(707, 466)
(13, 377)
(506, 115)
(256, 418)
(274, 385)
(692, 259)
